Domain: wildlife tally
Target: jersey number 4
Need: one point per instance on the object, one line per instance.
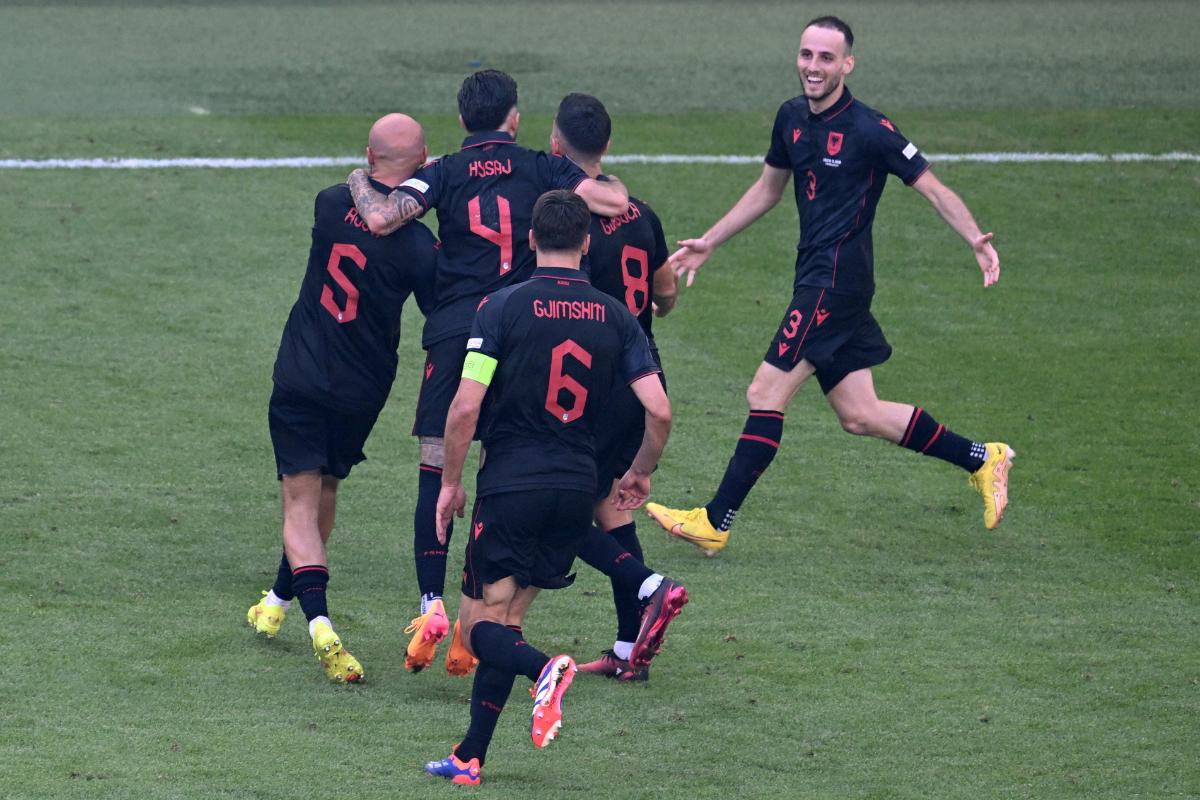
(501, 238)
(334, 268)
(560, 382)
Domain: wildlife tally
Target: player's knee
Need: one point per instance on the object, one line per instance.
(759, 395)
(855, 423)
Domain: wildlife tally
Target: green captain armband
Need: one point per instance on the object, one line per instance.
(479, 367)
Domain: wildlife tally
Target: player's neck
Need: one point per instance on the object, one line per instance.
(826, 103)
(558, 260)
(590, 166)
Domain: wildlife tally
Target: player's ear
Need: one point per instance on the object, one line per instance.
(532, 241)
(604, 152)
(587, 242)
(555, 141)
(513, 120)
(462, 124)
(846, 70)
(370, 157)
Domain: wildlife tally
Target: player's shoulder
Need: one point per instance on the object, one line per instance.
(643, 208)
(339, 193)
(794, 108)
(870, 116)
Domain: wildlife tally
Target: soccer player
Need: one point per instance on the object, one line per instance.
(545, 354)
(335, 367)
(484, 196)
(841, 152)
(624, 260)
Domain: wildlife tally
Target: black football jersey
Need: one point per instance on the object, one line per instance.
(840, 159)
(484, 196)
(339, 343)
(560, 345)
(625, 253)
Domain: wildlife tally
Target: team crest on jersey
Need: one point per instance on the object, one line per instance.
(796, 132)
(833, 145)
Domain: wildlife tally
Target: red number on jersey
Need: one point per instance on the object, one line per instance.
(811, 191)
(501, 238)
(560, 382)
(334, 268)
(793, 326)
(635, 268)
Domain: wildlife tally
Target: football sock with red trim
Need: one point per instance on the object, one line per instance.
(755, 449)
(506, 649)
(605, 553)
(429, 554)
(309, 584)
(283, 580)
(926, 435)
(629, 607)
(488, 695)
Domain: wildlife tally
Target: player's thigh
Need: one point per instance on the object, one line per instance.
(443, 370)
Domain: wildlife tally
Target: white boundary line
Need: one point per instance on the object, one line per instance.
(347, 161)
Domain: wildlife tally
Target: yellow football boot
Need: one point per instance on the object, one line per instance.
(991, 481)
(266, 618)
(691, 526)
(336, 660)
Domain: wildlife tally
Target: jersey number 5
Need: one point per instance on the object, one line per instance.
(501, 238)
(334, 268)
(565, 383)
(635, 269)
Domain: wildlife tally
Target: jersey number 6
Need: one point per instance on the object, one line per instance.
(565, 383)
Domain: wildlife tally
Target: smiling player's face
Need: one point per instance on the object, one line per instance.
(823, 65)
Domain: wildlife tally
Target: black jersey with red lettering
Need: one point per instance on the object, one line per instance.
(339, 344)
(624, 254)
(841, 159)
(560, 345)
(484, 196)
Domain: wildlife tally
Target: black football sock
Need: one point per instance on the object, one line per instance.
(926, 435)
(505, 649)
(428, 553)
(605, 553)
(488, 695)
(625, 598)
(309, 585)
(755, 448)
(283, 580)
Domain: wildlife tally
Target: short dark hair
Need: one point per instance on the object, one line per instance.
(835, 24)
(560, 221)
(584, 122)
(485, 98)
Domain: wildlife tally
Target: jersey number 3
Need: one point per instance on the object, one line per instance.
(334, 268)
(560, 382)
(501, 238)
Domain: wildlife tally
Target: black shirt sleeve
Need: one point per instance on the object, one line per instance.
(558, 172)
(778, 155)
(486, 329)
(892, 151)
(636, 359)
(425, 185)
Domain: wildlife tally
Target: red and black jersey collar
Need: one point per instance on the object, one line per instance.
(562, 273)
(841, 105)
(488, 137)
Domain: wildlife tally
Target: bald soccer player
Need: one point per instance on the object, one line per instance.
(333, 373)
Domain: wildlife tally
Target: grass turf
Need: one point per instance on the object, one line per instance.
(863, 636)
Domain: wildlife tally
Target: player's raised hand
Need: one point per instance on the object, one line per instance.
(632, 491)
(989, 261)
(452, 499)
(690, 256)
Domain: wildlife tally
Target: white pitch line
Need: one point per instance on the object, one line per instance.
(303, 162)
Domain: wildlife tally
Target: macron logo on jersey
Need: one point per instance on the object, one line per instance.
(796, 134)
(909, 151)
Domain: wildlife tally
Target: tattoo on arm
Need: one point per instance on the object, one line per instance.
(382, 213)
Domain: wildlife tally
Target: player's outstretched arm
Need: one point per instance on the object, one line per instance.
(634, 486)
(952, 209)
(608, 198)
(760, 198)
(383, 213)
(460, 427)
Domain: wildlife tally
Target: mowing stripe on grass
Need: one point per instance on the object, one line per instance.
(336, 161)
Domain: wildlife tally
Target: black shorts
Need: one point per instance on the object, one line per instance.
(443, 371)
(834, 332)
(619, 436)
(532, 536)
(307, 435)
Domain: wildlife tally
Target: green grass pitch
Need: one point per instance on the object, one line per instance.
(862, 636)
